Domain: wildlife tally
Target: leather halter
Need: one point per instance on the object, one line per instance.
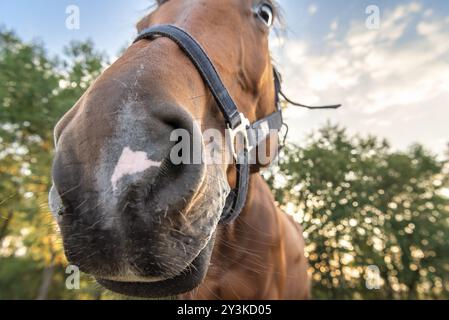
(237, 123)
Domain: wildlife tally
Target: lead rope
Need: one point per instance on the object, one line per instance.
(297, 104)
(278, 80)
(279, 91)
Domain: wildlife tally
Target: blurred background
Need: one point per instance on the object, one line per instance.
(369, 182)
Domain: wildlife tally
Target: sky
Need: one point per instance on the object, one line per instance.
(392, 77)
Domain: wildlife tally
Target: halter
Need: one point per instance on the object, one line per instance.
(236, 121)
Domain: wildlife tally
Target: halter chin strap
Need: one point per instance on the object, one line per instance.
(236, 121)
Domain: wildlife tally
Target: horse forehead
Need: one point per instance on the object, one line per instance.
(199, 12)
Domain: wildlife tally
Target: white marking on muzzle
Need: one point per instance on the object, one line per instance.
(131, 163)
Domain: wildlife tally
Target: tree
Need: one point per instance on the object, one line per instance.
(35, 92)
(366, 209)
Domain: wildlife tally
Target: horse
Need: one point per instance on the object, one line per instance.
(144, 226)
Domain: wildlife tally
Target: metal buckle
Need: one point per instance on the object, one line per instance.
(244, 130)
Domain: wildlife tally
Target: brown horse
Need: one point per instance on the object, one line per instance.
(143, 226)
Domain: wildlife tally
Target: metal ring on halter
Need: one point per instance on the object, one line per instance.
(246, 132)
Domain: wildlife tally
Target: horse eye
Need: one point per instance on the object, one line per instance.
(265, 12)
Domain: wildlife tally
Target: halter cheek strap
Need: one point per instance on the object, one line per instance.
(236, 121)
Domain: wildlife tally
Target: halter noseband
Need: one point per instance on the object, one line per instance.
(236, 121)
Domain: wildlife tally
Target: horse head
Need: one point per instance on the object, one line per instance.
(139, 223)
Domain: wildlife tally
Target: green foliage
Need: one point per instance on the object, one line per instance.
(35, 92)
(365, 209)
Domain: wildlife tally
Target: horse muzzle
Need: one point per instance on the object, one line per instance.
(138, 223)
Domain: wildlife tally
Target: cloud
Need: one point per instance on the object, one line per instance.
(388, 79)
(312, 9)
(334, 25)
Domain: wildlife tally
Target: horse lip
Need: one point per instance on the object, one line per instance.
(189, 279)
(133, 279)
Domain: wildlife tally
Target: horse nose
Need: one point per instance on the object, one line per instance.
(134, 162)
(124, 190)
(148, 171)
